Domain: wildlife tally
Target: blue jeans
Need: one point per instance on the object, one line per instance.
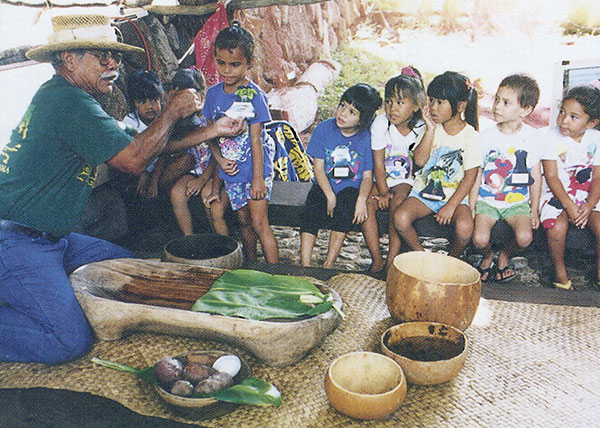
(40, 318)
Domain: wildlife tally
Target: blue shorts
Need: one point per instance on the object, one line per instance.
(434, 206)
(239, 192)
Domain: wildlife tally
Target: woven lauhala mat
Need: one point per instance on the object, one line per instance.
(528, 366)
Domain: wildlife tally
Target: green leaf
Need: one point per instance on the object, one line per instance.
(146, 374)
(258, 296)
(250, 391)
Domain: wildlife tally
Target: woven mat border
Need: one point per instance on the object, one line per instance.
(528, 365)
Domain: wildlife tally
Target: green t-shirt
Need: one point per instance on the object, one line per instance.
(48, 168)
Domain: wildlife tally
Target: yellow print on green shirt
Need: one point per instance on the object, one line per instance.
(88, 175)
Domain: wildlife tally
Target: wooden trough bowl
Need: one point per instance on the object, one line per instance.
(123, 296)
(425, 286)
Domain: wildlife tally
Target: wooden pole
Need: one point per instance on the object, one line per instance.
(205, 9)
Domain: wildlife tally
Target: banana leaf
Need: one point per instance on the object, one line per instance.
(249, 391)
(259, 296)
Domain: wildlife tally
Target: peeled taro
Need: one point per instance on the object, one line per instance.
(168, 370)
(195, 373)
(230, 364)
(216, 382)
(182, 388)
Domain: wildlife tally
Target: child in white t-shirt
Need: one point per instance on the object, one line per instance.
(571, 169)
(509, 183)
(400, 138)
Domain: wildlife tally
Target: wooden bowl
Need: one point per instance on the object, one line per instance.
(123, 296)
(202, 408)
(205, 249)
(425, 286)
(429, 353)
(365, 385)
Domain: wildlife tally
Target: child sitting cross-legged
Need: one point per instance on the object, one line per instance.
(509, 184)
(343, 163)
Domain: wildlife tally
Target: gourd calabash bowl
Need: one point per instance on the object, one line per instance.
(425, 286)
(205, 249)
(429, 353)
(202, 408)
(365, 385)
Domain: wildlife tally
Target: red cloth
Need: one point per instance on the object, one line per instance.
(203, 45)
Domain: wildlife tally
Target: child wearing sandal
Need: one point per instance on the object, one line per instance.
(343, 163)
(400, 138)
(572, 177)
(509, 184)
(442, 186)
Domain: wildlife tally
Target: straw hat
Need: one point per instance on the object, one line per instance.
(80, 32)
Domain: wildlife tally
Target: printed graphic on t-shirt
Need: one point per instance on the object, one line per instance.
(342, 163)
(398, 166)
(441, 172)
(504, 180)
(579, 173)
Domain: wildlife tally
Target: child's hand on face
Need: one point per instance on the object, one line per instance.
(444, 215)
(258, 188)
(427, 117)
(360, 211)
(331, 202)
(193, 187)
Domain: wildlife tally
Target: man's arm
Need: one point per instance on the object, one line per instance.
(146, 145)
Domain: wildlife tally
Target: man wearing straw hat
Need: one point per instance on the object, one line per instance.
(47, 171)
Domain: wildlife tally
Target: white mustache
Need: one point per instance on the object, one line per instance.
(111, 75)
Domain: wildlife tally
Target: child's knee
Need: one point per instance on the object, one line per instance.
(402, 219)
(523, 238)
(481, 238)
(464, 229)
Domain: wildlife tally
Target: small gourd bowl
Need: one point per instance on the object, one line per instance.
(429, 353)
(365, 385)
(202, 408)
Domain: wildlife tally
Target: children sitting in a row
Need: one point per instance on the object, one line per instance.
(467, 180)
(427, 156)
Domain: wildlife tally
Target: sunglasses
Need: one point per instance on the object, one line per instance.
(104, 57)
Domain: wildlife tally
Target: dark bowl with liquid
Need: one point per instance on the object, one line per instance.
(205, 249)
(429, 353)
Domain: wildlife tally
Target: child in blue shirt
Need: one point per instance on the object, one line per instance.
(246, 160)
(343, 164)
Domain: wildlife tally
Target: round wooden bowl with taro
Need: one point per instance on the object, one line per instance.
(124, 296)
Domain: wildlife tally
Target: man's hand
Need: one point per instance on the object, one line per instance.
(183, 103)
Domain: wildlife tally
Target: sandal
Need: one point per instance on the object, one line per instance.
(489, 271)
(501, 272)
(567, 286)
